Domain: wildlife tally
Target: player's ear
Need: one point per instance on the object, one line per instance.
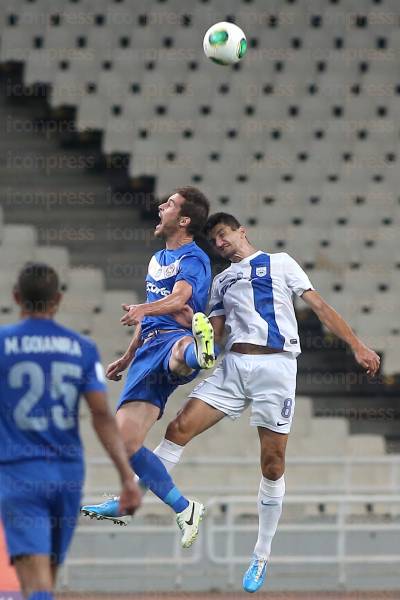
(185, 221)
(242, 231)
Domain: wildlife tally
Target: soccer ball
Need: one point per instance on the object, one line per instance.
(225, 43)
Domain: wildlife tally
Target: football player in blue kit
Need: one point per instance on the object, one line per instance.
(45, 368)
(168, 349)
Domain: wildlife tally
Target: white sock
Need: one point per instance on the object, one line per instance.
(169, 453)
(270, 498)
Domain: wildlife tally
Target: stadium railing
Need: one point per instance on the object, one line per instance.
(227, 524)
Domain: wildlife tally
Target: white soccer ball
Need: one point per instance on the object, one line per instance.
(225, 43)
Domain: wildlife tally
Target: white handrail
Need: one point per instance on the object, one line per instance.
(341, 527)
(210, 550)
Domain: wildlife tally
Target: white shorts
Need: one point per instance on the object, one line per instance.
(267, 381)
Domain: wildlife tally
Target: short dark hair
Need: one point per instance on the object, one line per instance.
(196, 206)
(221, 218)
(37, 285)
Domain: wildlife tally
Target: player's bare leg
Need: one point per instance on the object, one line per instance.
(189, 512)
(35, 573)
(195, 417)
(272, 453)
(134, 420)
(270, 498)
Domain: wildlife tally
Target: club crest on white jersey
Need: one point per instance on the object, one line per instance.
(256, 297)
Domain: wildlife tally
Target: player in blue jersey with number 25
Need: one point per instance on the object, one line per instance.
(44, 368)
(167, 349)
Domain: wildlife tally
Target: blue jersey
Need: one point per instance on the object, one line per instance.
(188, 263)
(44, 368)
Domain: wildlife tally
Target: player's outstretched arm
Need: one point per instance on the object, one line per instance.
(218, 324)
(107, 431)
(117, 367)
(366, 358)
(175, 302)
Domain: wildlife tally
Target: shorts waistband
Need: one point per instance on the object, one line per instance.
(253, 349)
(155, 332)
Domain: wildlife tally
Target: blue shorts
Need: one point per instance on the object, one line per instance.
(149, 378)
(39, 506)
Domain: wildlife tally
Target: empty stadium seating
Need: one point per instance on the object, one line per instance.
(308, 162)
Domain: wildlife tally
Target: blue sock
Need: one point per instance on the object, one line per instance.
(190, 357)
(41, 596)
(155, 476)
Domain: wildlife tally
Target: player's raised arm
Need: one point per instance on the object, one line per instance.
(366, 358)
(217, 312)
(173, 303)
(218, 324)
(106, 429)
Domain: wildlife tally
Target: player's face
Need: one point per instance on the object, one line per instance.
(227, 241)
(170, 216)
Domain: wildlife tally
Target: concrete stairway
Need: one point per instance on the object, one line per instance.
(55, 189)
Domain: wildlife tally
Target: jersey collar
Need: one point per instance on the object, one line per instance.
(245, 261)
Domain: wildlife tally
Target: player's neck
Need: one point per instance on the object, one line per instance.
(243, 252)
(36, 315)
(178, 239)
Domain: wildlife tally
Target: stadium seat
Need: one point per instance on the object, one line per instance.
(17, 247)
(40, 67)
(365, 444)
(77, 319)
(58, 258)
(92, 112)
(67, 89)
(118, 135)
(84, 295)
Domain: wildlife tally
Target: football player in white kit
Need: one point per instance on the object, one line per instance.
(252, 301)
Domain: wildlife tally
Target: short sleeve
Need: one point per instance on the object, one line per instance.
(93, 378)
(191, 270)
(216, 305)
(297, 280)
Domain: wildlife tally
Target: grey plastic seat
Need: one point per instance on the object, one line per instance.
(92, 112)
(57, 257)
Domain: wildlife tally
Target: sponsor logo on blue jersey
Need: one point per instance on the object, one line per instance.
(154, 289)
(188, 263)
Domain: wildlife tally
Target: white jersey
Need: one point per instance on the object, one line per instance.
(256, 297)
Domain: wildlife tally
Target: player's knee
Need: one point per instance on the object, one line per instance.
(178, 351)
(38, 582)
(132, 441)
(273, 466)
(178, 431)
